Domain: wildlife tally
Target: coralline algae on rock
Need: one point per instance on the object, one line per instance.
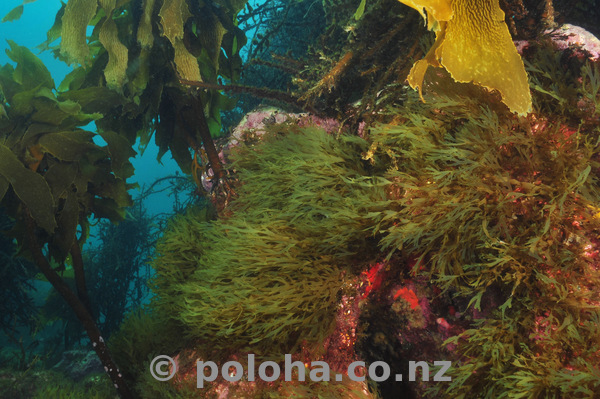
(254, 124)
(574, 37)
(583, 43)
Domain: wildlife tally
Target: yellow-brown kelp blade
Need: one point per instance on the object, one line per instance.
(116, 69)
(418, 70)
(78, 14)
(173, 16)
(437, 10)
(475, 46)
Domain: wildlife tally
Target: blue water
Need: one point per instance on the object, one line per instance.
(30, 30)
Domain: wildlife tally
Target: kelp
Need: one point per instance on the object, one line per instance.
(29, 187)
(13, 14)
(116, 68)
(145, 37)
(138, 50)
(51, 164)
(77, 16)
(473, 44)
(53, 177)
(173, 15)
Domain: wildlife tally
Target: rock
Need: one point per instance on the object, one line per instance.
(583, 42)
(254, 124)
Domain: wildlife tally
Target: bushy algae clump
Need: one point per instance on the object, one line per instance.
(504, 212)
(500, 212)
(268, 277)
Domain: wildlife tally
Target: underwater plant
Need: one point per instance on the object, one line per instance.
(502, 213)
(129, 69)
(59, 387)
(473, 44)
(116, 272)
(266, 276)
(117, 268)
(301, 210)
(280, 34)
(50, 384)
(144, 334)
(53, 177)
(17, 306)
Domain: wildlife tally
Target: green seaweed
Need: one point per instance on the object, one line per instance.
(502, 212)
(143, 335)
(268, 276)
(49, 384)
